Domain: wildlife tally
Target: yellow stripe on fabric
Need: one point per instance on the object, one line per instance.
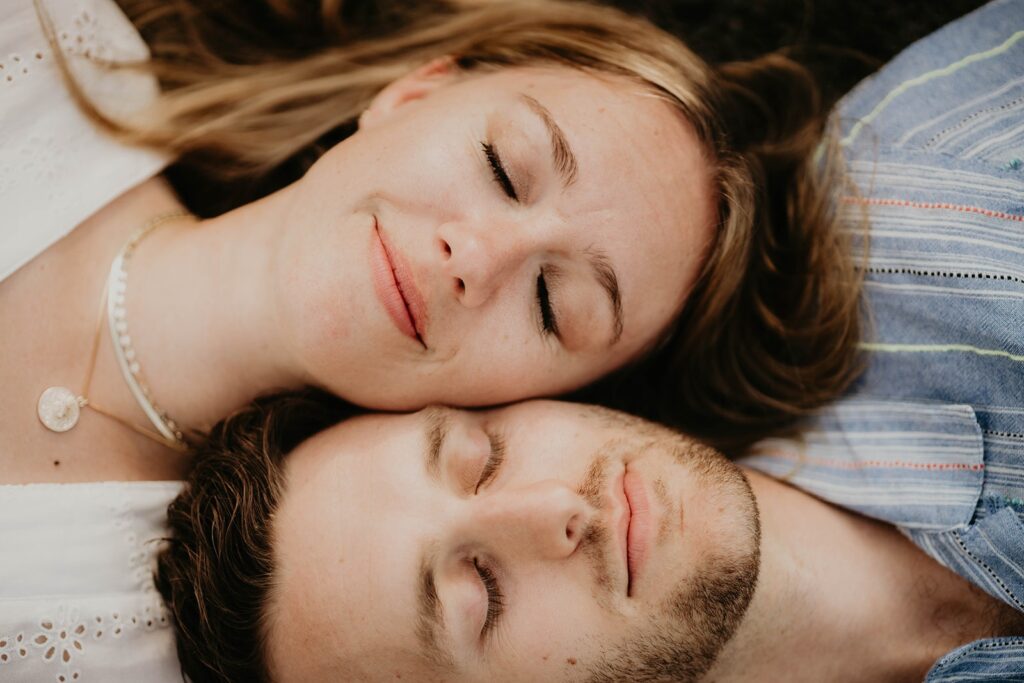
(938, 348)
(924, 78)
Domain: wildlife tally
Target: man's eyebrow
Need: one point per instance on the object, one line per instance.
(436, 420)
(430, 615)
(565, 160)
(609, 281)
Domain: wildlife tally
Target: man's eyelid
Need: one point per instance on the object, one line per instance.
(495, 458)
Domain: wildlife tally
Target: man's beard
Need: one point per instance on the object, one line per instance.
(682, 642)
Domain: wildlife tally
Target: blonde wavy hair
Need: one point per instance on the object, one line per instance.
(769, 332)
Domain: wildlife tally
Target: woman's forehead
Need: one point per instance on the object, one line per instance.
(577, 95)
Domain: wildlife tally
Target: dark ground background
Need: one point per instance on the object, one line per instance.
(841, 40)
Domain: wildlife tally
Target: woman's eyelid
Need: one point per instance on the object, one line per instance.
(499, 171)
(518, 154)
(547, 286)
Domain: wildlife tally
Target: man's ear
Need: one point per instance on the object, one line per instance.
(410, 87)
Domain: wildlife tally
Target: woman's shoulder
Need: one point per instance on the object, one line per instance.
(56, 166)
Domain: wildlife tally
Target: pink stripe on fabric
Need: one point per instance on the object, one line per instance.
(878, 201)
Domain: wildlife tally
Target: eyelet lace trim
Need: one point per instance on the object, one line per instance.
(83, 37)
(60, 641)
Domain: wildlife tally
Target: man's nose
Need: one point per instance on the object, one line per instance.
(546, 519)
(479, 258)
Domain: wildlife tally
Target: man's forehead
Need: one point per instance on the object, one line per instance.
(624, 425)
(346, 619)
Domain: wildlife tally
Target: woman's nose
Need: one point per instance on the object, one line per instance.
(546, 519)
(479, 259)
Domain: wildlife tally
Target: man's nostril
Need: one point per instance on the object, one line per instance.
(460, 284)
(571, 529)
(447, 249)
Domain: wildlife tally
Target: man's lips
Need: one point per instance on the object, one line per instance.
(638, 527)
(395, 287)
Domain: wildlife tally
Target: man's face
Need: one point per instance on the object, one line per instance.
(544, 541)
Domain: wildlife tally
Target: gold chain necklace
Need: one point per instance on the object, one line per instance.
(59, 408)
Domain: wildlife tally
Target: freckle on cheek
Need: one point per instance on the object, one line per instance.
(571, 661)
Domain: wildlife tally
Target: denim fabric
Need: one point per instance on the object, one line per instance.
(931, 439)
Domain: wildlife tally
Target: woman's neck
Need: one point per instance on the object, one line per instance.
(206, 339)
(194, 315)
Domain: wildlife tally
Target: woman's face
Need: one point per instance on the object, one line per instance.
(489, 237)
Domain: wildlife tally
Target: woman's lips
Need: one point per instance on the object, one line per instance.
(638, 530)
(393, 283)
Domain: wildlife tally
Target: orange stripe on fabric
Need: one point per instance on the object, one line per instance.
(933, 205)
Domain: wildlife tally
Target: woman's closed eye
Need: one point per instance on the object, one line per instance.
(548, 319)
(498, 171)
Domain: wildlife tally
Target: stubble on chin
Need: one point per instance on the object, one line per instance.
(701, 616)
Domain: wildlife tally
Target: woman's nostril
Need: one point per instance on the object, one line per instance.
(447, 249)
(460, 285)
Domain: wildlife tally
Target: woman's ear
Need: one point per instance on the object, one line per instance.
(410, 87)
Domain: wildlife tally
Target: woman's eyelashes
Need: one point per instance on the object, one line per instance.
(548, 319)
(499, 172)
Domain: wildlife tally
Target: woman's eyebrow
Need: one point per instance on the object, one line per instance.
(565, 160)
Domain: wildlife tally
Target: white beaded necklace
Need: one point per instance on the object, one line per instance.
(59, 408)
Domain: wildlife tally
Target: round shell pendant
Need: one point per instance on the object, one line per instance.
(58, 409)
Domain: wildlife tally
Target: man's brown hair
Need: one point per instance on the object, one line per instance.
(217, 570)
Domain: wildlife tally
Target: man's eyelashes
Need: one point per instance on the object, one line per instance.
(495, 598)
(494, 461)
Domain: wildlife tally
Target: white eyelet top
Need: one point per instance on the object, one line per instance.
(56, 167)
(77, 600)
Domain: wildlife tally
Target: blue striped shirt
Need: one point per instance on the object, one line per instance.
(932, 438)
